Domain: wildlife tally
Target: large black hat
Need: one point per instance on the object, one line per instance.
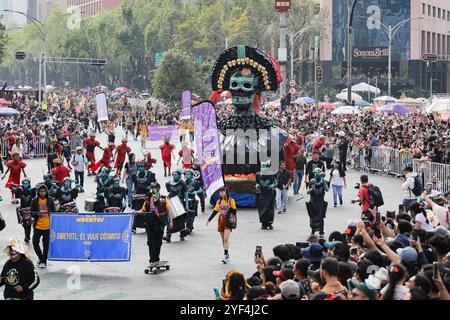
(239, 57)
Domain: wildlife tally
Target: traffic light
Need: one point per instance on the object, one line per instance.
(319, 74)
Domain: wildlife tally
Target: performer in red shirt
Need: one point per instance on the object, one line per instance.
(290, 150)
(105, 161)
(122, 150)
(15, 167)
(187, 154)
(319, 144)
(166, 153)
(90, 144)
(11, 140)
(149, 161)
(60, 172)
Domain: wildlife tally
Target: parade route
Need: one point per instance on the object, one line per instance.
(196, 266)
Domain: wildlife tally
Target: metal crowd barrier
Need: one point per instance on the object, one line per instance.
(36, 149)
(436, 173)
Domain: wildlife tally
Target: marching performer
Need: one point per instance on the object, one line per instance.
(265, 197)
(122, 150)
(176, 187)
(157, 217)
(25, 193)
(105, 161)
(193, 190)
(116, 195)
(67, 196)
(90, 144)
(150, 161)
(167, 154)
(317, 206)
(142, 179)
(15, 168)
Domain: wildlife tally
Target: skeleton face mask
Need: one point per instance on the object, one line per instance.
(243, 90)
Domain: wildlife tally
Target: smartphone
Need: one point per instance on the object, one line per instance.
(217, 293)
(258, 251)
(378, 218)
(401, 209)
(302, 245)
(354, 251)
(435, 269)
(429, 187)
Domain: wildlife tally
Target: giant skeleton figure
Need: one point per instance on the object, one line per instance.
(265, 199)
(317, 206)
(246, 72)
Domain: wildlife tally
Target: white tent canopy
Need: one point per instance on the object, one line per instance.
(365, 87)
(343, 96)
(346, 110)
(439, 106)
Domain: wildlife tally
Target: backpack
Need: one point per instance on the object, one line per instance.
(375, 197)
(418, 187)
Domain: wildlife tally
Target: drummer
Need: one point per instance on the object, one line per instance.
(157, 217)
(25, 193)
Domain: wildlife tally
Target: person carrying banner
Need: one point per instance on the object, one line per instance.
(18, 274)
(25, 193)
(122, 150)
(176, 187)
(157, 217)
(226, 207)
(166, 154)
(14, 167)
(41, 207)
(90, 144)
(105, 161)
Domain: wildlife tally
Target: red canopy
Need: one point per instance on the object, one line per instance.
(327, 106)
(445, 117)
(122, 89)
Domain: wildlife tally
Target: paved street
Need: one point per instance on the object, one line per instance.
(195, 264)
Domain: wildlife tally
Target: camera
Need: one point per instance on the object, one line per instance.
(357, 186)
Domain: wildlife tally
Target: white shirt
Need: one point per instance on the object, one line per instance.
(19, 149)
(79, 161)
(336, 179)
(42, 134)
(423, 222)
(399, 292)
(408, 186)
(442, 214)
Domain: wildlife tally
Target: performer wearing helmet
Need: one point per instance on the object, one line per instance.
(122, 150)
(90, 144)
(104, 181)
(167, 154)
(15, 168)
(66, 196)
(116, 195)
(142, 179)
(193, 189)
(25, 193)
(157, 217)
(177, 188)
(317, 206)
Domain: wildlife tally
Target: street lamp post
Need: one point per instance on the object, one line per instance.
(228, 39)
(349, 50)
(391, 31)
(293, 37)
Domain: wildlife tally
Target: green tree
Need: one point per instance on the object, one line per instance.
(3, 40)
(178, 72)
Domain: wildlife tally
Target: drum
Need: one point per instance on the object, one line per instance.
(138, 201)
(176, 207)
(113, 209)
(24, 216)
(69, 207)
(89, 204)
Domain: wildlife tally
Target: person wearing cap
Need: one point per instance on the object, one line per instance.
(14, 167)
(157, 217)
(283, 275)
(79, 163)
(41, 207)
(60, 172)
(90, 144)
(361, 291)
(167, 154)
(122, 150)
(289, 290)
(314, 254)
(18, 275)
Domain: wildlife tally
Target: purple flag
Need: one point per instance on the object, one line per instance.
(161, 132)
(186, 104)
(208, 147)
